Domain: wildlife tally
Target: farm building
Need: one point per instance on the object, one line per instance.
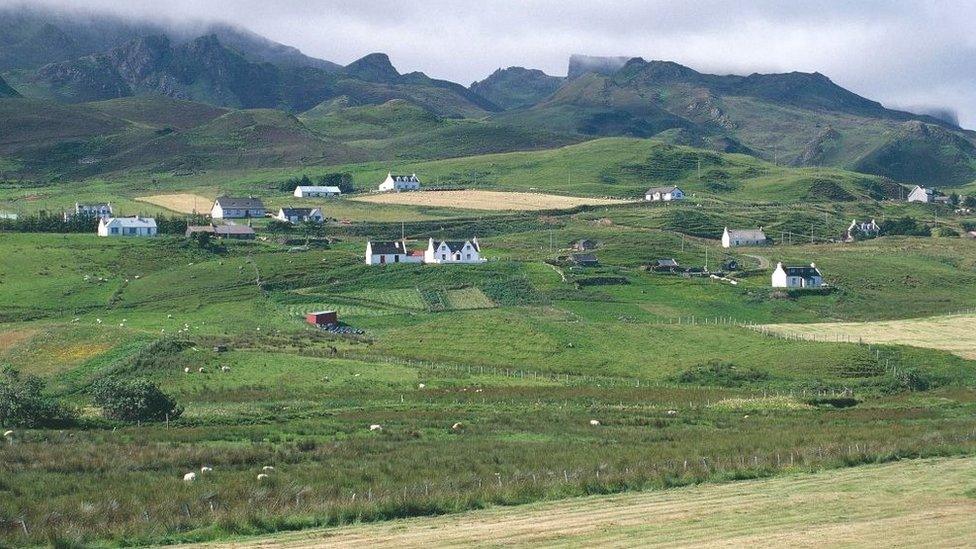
(453, 251)
(584, 260)
(400, 183)
(100, 211)
(861, 230)
(743, 237)
(310, 191)
(322, 318)
(127, 226)
(226, 207)
(584, 244)
(233, 232)
(665, 265)
(300, 215)
(797, 277)
(665, 194)
(383, 252)
(921, 194)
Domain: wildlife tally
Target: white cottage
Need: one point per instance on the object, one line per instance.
(797, 277)
(453, 251)
(400, 183)
(307, 191)
(127, 226)
(99, 211)
(300, 215)
(861, 230)
(921, 194)
(743, 237)
(665, 194)
(385, 252)
(226, 207)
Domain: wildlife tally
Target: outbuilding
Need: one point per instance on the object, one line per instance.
(663, 194)
(322, 318)
(309, 191)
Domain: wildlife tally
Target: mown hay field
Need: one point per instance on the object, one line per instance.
(487, 200)
(908, 503)
(953, 333)
(180, 202)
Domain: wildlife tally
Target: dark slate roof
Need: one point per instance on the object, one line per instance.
(302, 212)
(662, 190)
(387, 247)
(670, 262)
(249, 203)
(457, 245)
(233, 229)
(410, 178)
(747, 234)
(802, 272)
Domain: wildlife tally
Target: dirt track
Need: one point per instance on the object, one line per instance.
(905, 504)
(485, 200)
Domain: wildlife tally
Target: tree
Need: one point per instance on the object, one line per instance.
(969, 201)
(23, 404)
(954, 199)
(134, 400)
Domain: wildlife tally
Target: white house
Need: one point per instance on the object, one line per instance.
(384, 252)
(743, 237)
(861, 230)
(921, 194)
(306, 191)
(299, 215)
(226, 207)
(797, 277)
(400, 183)
(99, 211)
(127, 226)
(453, 251)
(666, 194)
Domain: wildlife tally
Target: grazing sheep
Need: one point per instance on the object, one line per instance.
(457, 426)
(201, 369)
(98, 320)
(189, 477)
(225, 368)
(263, 476)
(169, 316)
(375, 427)
(186, 370)
(672, 412)
(267, 468)
(422, 386)
(745, 416)
(206, 469)
(595, 422)
(9, 435)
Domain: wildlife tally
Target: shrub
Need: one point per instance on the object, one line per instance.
(946, 232)
(907, 226)
(721, 374)
(134, 400)
(22, 403)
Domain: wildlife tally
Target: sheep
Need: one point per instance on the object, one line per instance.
(267, 468)
(225, 368)
(595, 422)
(189, 477)
(186, 370)
(98, 320)
(422, 386)
(672, 412)
(169, 316)
(9, 435)
(206, 469)
(201, 369)
(745, 416)
(375, 427)
(263, 476)
(457, 426)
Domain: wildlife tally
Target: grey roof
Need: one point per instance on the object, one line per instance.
(747, 234)
(303, 212)
(670, 262)
(387, 247)
(233, 229)
(411, 178)
(130, 222)
(662, 190)
(199, 229)
(249, 203)
(807, 271)
(457, 245)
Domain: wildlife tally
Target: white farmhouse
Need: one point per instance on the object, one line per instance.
(666, 194)
(300, 215)
(743, 237)
(797, 277)
(921, 194)
(306, 191)
(453, 251)
(861, 230)
(400, 183)
(384, 252)
(95, 211)
(127, 226)
(226, 207)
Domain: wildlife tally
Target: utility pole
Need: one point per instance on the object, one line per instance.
(550, 240)
(706, 258)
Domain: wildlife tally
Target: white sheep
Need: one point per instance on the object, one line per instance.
(9, 435)
(672, 412)
(263, 476)
(422, 386)
(169, 316)
(189, 477)
(375, 427)
(186, 370)
(201, 369)
(457, 426)
(206, 469)
(267, 468)
(595, 422)
(98, 320)
(225, 368)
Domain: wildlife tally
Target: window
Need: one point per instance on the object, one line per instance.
(115, 230)
(396, 259)
(467, 256)
(443, 256)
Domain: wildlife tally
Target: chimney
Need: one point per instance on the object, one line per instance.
(814, 265)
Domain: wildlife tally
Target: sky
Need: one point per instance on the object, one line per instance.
(904, 53)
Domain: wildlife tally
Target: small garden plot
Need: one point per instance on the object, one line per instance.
(343, 307)
(407, 298)
(467, 298)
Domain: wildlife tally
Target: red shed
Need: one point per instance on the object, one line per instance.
(322, 317)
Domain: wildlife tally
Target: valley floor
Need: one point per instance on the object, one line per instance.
(919, 503)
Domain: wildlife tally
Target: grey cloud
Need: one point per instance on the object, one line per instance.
(907, 52)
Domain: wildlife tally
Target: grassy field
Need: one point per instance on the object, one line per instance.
(486, 200)
(179, 202)
(903, 504)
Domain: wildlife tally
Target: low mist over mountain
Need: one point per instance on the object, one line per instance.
(791, 118)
